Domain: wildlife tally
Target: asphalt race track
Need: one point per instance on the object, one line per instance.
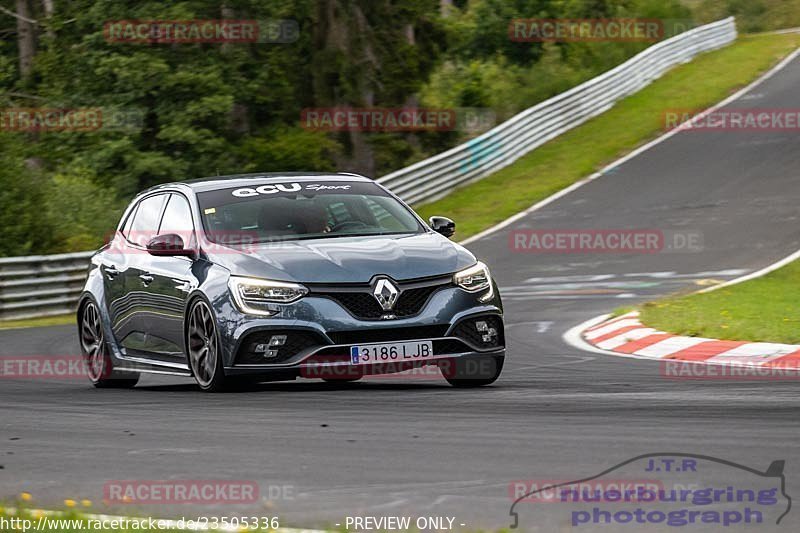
(418, 447)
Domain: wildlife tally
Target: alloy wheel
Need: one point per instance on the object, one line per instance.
(93, 343)
(202, 344)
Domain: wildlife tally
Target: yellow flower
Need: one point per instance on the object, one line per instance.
(86, 503)
(37, 513)
(69, 503)
(26, 496)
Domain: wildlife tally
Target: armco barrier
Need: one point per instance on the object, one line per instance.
(436, 176)
(49, 285)
(41, 285)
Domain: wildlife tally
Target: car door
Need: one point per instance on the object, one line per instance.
(165, 282)
(133, 309)
(114, 262)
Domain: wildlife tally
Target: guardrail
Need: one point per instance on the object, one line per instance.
(43, 285)
(436, 176)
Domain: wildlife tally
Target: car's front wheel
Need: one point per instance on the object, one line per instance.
(94, 349)
(203, 348)
(472, 371)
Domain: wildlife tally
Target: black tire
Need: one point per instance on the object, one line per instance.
(94, 349)
(203, 353)
(469, 372)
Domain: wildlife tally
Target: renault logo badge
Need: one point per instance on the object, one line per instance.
(386, 293)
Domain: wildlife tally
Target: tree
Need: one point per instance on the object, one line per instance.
(26, 36)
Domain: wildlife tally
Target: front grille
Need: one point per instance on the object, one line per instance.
(363, 305)
(467, 330)
(359, 304)
(412, 301)
(364, 336)
(296, 342)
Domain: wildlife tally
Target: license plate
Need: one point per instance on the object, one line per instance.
(391, 353)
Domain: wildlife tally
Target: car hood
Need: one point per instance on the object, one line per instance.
(347, 259)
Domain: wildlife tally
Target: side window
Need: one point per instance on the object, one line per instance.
(145, 222)
(177, 217)
(126, 228)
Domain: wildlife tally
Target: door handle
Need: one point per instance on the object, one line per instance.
(111, 272)
(146, 278)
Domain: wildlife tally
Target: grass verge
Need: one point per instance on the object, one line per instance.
(764, 309)
(635, 120)
(57, 320)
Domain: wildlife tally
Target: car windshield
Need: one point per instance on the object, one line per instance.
(302, 210)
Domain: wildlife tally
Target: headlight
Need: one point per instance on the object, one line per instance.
(475, 279)
(253, 295)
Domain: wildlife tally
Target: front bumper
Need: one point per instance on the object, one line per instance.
(320, 332)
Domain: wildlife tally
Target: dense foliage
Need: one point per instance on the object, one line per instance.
(752, 16)
(198, 109)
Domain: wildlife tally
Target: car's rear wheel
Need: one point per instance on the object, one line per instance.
(94, 349)
(468, 372)
(203, 347)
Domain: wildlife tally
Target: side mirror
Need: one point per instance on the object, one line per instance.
(443, 225)
(167, 245)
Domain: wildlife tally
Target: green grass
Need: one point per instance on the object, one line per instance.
(696, 85)
(57, 320)
(764, 309)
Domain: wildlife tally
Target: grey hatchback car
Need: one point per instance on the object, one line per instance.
(264, 277)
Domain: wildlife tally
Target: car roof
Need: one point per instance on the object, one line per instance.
(260, 178)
